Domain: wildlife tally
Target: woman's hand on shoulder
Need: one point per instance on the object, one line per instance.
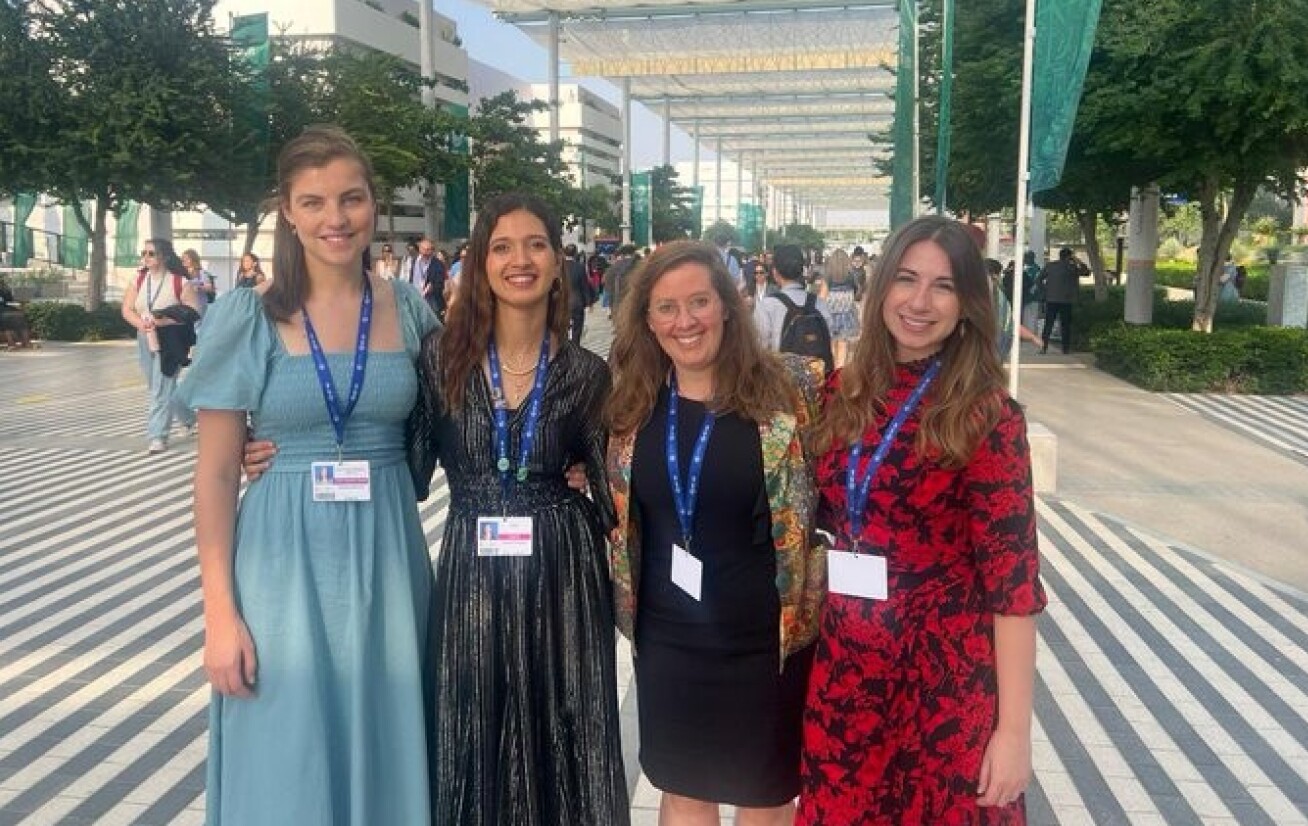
(576, 477)
(257, 458)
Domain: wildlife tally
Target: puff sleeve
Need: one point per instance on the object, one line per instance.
(232, 357)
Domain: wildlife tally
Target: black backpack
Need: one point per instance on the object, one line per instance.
(805, 331)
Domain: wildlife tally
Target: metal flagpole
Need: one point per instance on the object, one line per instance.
(1023, 179)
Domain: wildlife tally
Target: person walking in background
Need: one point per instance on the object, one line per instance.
(839, 287)
(579, 294)
(386, 266)
(427, 274)
(316, 585)
(1060, 282)
(623, 262)
(525, 727)
(758, 286)
(792, 320)
(161, 283)
(1004, 312)
(206, 290)
(718, 583)
(920, 702)
(249, 273)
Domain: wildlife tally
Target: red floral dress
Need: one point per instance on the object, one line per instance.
(902, 698)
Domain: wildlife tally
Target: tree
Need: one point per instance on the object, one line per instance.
(24, 99)
(722, 229)
(507, 154)
(802, 235)
(1210, 94)
(673, 205)
(139, 107)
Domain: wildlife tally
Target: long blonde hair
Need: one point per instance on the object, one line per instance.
(749, 381)
(964, 402)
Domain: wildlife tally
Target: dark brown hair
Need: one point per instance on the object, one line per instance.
(964, 402)
(471, 320)
(748, 380)
(314, 148)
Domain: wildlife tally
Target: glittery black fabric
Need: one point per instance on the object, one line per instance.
(523, 705)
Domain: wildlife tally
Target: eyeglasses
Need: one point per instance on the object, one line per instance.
(760, 272)
(147, 253)
(667, 312)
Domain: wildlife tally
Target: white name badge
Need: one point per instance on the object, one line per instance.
(341, 481)
(856, 575)
(687, 572)
(504, 535)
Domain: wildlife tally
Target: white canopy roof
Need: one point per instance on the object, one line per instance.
(801, 89)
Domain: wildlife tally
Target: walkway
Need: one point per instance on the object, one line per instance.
(1172, 687)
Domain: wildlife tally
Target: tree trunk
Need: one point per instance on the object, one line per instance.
(1215, 244)
(97, 231)
(1089, 223)
(252, 231)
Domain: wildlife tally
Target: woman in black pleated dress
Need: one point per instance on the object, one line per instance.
(524, 710)
(716, 579)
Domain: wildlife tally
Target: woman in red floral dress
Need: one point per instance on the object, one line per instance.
(919, 708)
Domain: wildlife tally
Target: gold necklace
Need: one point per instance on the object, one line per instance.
(510, 371)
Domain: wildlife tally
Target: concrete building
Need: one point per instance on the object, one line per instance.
(592, 129)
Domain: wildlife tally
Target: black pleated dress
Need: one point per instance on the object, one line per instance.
(523, 703)
(719, 720)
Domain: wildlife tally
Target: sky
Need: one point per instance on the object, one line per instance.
(504, 47)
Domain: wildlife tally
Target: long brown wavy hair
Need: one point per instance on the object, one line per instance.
(964, 402)
(313, 148)
(749, 381)
(471, 320)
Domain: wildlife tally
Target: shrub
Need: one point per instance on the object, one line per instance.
(60, 321)
(1239, 360)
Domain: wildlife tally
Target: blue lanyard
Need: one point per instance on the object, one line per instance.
(684, 496)
(500, 403)
(857, 487)
(340, 417)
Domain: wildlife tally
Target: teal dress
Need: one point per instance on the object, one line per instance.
(336, 595)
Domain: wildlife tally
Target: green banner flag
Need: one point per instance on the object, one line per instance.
(250, 35)
(749, 227)
(126, 233)
(902, 196)
(73, 250)
(640, 209)
(24, 203)
(1065, 37)
(945, 115)
(458, 219)
(697, 209)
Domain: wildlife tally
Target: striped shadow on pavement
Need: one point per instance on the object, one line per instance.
(1279, 422)
(1171, 688)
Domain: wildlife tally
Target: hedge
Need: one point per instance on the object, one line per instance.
(1269, 360)
(61, 321)
(1091, 317)
(1181, 274)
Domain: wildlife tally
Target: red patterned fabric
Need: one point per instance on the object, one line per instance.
(902, 699)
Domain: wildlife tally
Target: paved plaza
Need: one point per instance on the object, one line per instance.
(1172, 685)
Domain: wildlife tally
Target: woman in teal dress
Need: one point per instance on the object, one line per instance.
(317, 587)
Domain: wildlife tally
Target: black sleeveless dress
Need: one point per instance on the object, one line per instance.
(719, 721)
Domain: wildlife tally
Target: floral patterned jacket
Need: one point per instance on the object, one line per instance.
(792, 497)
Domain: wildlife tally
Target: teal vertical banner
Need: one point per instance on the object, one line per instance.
(73, 248)
(749, 227)
(902, 196)
(458, 192)
(697, 209)
(250, 35)
(127, 220)
(945, 112)
(640, 209)
(24, 203)
(1065, 38)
